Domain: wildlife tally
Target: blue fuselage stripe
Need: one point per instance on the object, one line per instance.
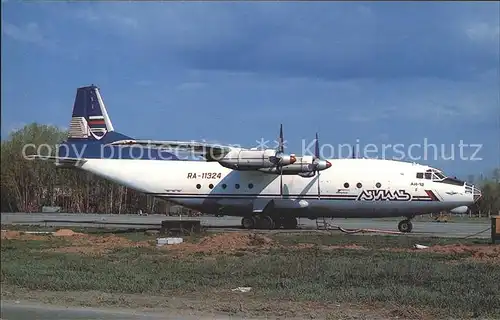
(267, 196)
(97, 150)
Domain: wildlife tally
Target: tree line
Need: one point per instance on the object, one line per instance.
(27, 186)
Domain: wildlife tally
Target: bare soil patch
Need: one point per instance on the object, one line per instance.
(66, 233)
(79, 242)
(225, 243)
(483, 253)
(17, 235)
(89, 244)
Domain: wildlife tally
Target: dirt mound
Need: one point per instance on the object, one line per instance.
(66, 233)
(477, 252)
(19, 235)
(235, 240)
(27, 235)
(78, 242)
(9, 235)
(99, 244)
(487, 253)
(225, 242)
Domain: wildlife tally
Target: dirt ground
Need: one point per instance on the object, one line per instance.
(226, 243)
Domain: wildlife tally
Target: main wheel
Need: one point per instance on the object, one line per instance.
(248, 222)
(266, 222)
(405, 226)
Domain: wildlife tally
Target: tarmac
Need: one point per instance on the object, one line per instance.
(457, 227)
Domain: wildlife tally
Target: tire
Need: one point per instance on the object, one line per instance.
(405, 226)
(248, 222)
(266, 222)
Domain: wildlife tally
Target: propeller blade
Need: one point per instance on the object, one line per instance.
(281, 149)
(319, 187)
(281, 184)
(280, 146)
(316, 147)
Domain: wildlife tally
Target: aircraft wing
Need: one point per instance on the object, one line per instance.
(59, 161)
(209, 150)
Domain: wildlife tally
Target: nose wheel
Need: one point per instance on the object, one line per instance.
(405, 226)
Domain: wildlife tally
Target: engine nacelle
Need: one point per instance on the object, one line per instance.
(255, 159)
(302, 164)
(460, 210)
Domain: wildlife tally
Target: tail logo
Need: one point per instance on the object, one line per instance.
(97, 127)
(82, 129)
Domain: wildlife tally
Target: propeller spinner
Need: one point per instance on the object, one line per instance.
(280, 158)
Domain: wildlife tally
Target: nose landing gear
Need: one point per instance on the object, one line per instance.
(405, 226)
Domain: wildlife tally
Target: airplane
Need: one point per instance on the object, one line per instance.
(268, 188)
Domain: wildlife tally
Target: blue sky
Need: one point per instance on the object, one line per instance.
(375, 72)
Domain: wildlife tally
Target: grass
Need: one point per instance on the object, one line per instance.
(371, 241)
(439, 284)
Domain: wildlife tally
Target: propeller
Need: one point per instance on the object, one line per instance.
(319, 164)
(316, 158)
(279, 158)
(280, 150)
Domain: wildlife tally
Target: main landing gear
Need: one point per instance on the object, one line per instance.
(268, 222)
(405, 226)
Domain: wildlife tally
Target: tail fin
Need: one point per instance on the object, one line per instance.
(90, 119)
(91, 132)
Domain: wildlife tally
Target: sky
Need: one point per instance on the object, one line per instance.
(378, 73)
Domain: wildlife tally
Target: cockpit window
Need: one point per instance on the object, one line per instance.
(431, 175)
(453, 181)
(440, 175)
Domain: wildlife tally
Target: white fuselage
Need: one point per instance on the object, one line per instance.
(350, 188)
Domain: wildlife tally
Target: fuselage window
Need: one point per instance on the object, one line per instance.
(250, 185)
(237, 186)
(198, 186)
(378, 185)
(224, 186)
(359, 185)
(211, 186)
(346, 185)
(420, 175)
(428, 175)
